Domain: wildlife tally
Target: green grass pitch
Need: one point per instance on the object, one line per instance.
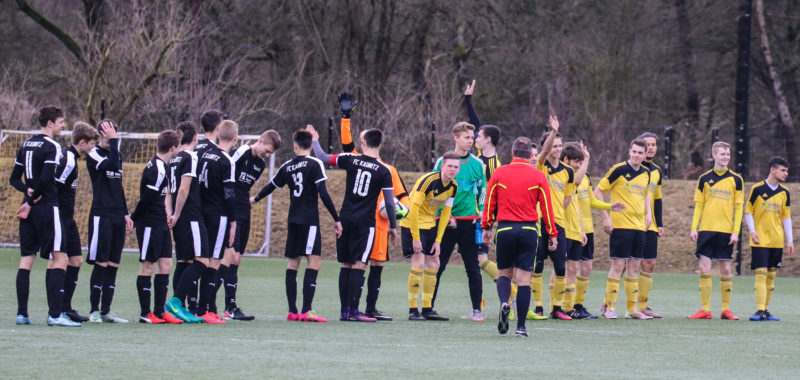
(269, 346)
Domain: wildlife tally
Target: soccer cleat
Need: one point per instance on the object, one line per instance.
(357, 316)
(112, 318)
(610, 314)
(414, 315)
(175, 306)
(62, 320)
(502, 325)
(94, 317)
(759, 316)
(23, 320)
(74, 316)
(727, 314)
(560, 315)
(700, 314)
(532, 316)
(379, 316)
(171, 319)
(576, 314)
(151, 318)
(237, 314)
(521, 332)
(637, 315)
(585, 313)
(432, 315)
(475, 315)
(311, 316)
(291, 317)
(650, 313)
(771, 317)
(212, 318)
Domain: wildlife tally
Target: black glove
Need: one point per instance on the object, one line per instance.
(347, 104)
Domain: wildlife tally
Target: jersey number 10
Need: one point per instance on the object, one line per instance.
(362, 183)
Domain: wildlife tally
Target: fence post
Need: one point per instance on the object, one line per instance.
(433, 144)
(669, 135)
(102, 109)
(330, 134)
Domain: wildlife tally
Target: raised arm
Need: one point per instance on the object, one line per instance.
(347, 104)
(473, 116)
(548, 143)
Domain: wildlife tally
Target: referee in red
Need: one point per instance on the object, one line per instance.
(512, 196)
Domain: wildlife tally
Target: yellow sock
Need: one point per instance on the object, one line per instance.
(428, 286)
(645, 284)
(705, 291)
(761, 289)
(612, 287)
(568, 303)
(771, 273)
(550, 301)
(490, 267)
(414, 279)
(725, 287)
(513, 294)
(559, 285)
(581, 285)
(537, 288)
(631, 293)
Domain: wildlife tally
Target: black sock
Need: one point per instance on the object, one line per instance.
(96, 287)
(55, 285)
(176, 277)
(523, 303)
(503, 288)
(23, 290)
(207, 289)
(475, 283)
(231, 283)
(70, 283)
(161, 287)
(109, 282)
(49, 291)
(309, 287)
(145, 288)
(193, 295)
(188, 280)
(373, 287)
(212, 302)
(291, 289)
(344, 282)
(356, 285)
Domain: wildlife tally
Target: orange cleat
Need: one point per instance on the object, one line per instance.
(151, 318)
(212, 318)
(700, 314)
(171, 319)
(311, 316)
(727, 314)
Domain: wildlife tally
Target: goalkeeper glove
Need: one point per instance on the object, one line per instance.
(347, 103)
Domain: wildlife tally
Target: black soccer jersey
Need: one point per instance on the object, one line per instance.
(105, 170)
(217, 179)
(248, 172)
(302, 173)
(490, 165)
(37, 158)
(152, 189)
(202, 145)
(184, 168)
(67, 182)
(366, 178)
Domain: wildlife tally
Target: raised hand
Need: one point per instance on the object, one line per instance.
(584, 151)
(470, 88)
(554, 123)
(347, 104)
(314, 134)
(107, 129)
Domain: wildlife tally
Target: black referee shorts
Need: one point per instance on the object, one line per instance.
(651, 245)
(714, 245)
(626, 243)
(154, 243)
(242, 235)
(426, 236)
(765, 257)
(41, 231)
(356, 242)
(190, 239)
(106, 239)
(219, 229)
(73, 238)
(517, 244)
(302, 240)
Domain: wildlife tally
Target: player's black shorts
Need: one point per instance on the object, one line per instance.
(190, 239)
(574, 250)
(587, 251)
(650, 245)
(219, 230)
(41, 232)
(106, 239)
(714, 245)
(517, 244)
(626, 244)
(558, 257)
(356, 242)
(154, 243)
(242, 235)
(302, 240)
(426, 236)
(765, 257)
(72, 237)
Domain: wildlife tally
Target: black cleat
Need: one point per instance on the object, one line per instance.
(576, 314)
(432, 315)
(415, 316)
(502, 326)
(379, 316)
(75, 317)
(521, 332)
(539, 310)
(238, 314)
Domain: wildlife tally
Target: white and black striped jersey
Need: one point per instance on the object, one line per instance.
(217, 180)
(105, 170)
(184, 168)
(67, 182)
(302, 174)
(202, 145)
(366, 178)
(150, 209)
(248, 171)
(37, 161)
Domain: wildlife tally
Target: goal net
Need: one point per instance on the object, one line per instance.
(136, 149)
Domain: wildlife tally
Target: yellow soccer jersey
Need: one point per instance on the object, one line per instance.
(720, 193)
(769, 208)
(630, 187)
(428, 194)
(655, 190)
(572, 228)
(587, 202)
(562, 182)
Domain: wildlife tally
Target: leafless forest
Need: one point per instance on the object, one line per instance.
(610, 69)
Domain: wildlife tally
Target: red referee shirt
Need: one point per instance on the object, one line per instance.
(512, 195)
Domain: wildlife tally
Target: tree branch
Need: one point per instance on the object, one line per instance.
(154, 73)
(93, 88)
(63, 36)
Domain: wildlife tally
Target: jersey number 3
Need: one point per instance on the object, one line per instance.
(298, 184)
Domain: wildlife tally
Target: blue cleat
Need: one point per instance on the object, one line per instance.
(759, 316)
(62, 320)
(771, 317)
(23, 320)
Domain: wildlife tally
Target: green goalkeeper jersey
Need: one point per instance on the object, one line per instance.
(471, 180)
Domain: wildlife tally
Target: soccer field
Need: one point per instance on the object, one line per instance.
(269, 346)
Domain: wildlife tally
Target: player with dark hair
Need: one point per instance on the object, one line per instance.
(210, 122)
(187, 224)
(152, 231)
(84, 138)
(40, 226)
(656, 229)
(108, 221)
(719, 200)
(769, 218)
(574, 228)
(515, 191)
(306, 178)
(366, 178)
(629, 183)
(249, 160)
